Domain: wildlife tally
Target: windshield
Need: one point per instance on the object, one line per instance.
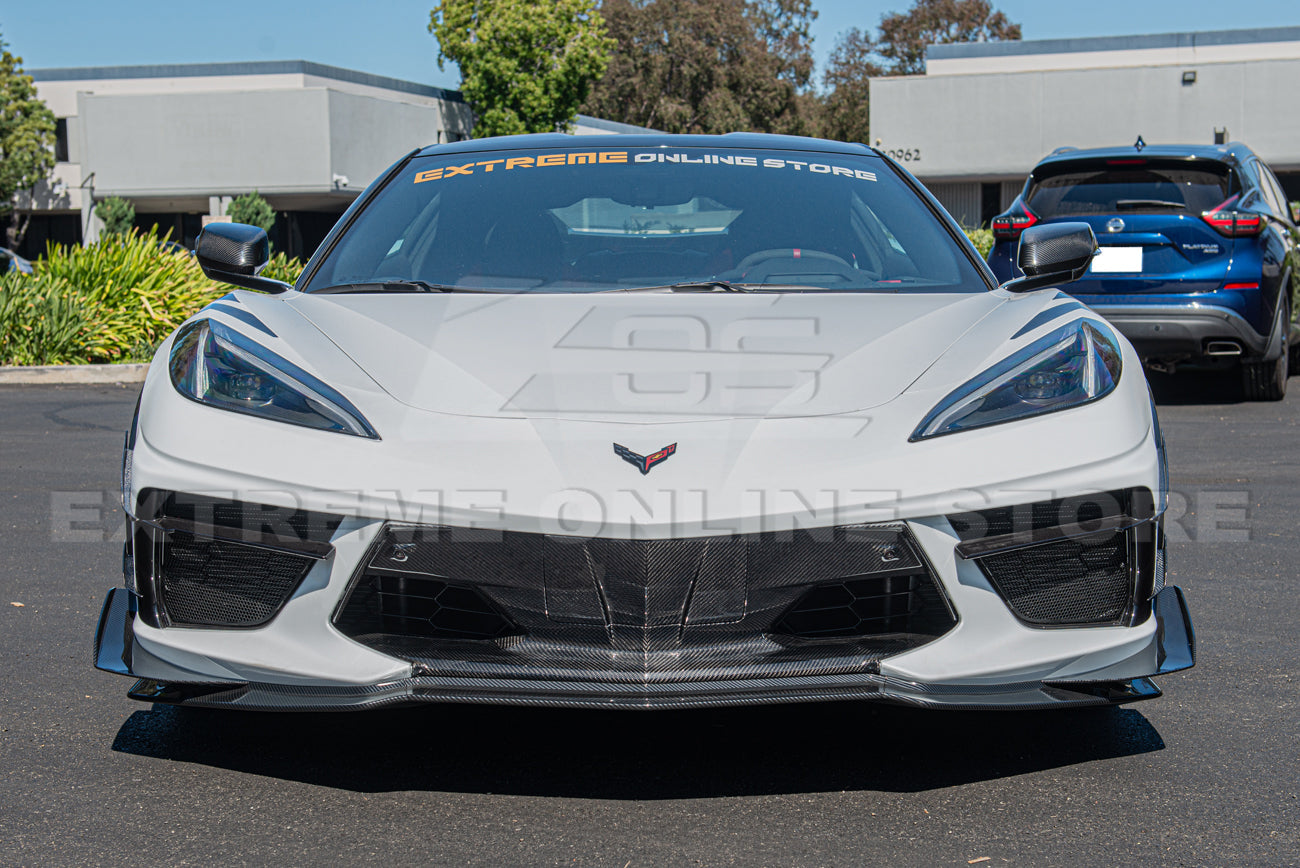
(567, 220)
(1128, 184)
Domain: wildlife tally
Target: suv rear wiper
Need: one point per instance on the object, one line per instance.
(391, 286)
(1127, 204)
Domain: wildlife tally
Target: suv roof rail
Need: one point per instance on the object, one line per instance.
(1064, 149)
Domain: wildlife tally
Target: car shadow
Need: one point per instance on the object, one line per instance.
(639, 756)
(1190, 387)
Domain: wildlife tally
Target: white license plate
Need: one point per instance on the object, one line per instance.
(1117, 260)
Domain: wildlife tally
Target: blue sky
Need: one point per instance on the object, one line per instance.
(389, 37)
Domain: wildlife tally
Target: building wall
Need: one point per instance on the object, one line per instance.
(1155, 49)
(996, 126)
(367, 135)
(207, 143)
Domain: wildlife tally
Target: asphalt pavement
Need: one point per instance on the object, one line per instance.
(1207, 775)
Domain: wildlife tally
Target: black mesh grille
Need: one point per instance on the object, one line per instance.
(1079, 581)
(1098, 579)
(869, 606)
(212, 583)
(419, 606)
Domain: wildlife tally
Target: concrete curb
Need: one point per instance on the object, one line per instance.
(50, 375)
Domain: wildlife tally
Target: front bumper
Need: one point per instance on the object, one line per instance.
(300, 647)
(1171, 648)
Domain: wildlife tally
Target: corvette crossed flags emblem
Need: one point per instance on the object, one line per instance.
(644, 462)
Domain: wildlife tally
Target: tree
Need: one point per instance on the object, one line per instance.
(118, 215)
(785, 26)
(707, 66)
(26, 137)
(252, 209)
(525, 67)
(847, 104)
(904, 36)
(899, 49)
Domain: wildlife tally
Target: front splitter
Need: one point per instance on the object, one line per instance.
(117, 652)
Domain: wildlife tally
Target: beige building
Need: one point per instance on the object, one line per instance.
(983, 114)
(181, 141)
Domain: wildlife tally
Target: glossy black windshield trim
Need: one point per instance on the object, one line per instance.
(649, 140)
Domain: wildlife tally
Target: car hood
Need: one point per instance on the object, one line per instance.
(645, 357)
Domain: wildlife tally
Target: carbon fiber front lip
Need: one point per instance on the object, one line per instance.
(428, 689)
(159, 682)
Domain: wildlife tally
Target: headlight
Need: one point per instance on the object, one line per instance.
(1071, 366)
(220, 367)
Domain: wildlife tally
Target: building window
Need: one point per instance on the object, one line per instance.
(61, 140)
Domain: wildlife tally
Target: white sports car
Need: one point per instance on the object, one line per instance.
(645, 422)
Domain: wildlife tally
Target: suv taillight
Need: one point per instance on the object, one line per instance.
(1228, 221)
(1013, 221)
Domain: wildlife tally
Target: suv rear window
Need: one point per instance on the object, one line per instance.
(557, 220)
(1128, 185)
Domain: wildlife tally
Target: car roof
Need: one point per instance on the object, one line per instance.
(763, 141)
(1233, 152)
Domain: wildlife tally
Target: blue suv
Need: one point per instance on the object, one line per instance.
(1197, 259)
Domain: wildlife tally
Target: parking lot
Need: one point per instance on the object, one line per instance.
(1206, 775)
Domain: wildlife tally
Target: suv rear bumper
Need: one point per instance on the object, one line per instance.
(1182, 330)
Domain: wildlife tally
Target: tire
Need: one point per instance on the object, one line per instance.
(1266, 381)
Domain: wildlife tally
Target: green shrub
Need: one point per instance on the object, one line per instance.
(118, 215)
(982, 239)
(138, 291)
(43, 322)
(113, 301)
(252, 209)
(281, 267)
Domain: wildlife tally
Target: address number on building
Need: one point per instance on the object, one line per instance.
(905, 155)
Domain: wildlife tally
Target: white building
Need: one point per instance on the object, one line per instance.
(181, 141)
(983, 114)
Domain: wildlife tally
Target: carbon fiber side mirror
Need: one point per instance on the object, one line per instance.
(1053, 254)
(234, 253)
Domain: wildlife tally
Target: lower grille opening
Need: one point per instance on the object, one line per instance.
(869, 606)
(416, 606)
(201, 561)
(1076, 581)
(1102, 578)
(619, 606)
(215, 583)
